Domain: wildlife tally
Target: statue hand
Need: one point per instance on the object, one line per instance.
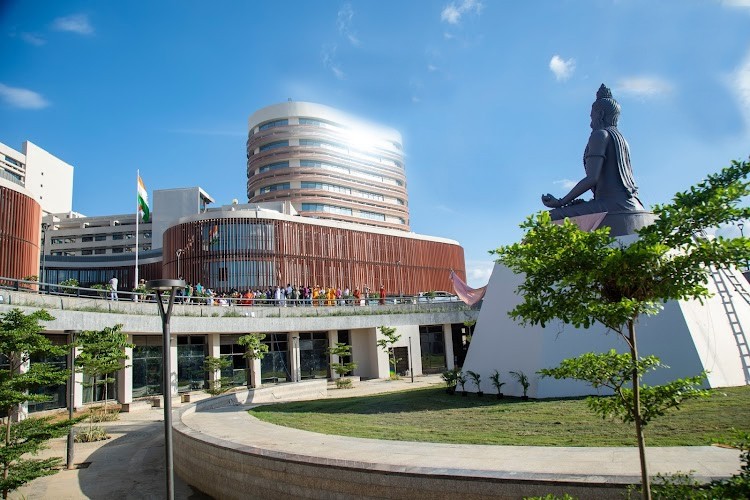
(550, 201)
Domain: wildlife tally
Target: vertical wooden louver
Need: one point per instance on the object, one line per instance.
(20, 220)
(251, 253)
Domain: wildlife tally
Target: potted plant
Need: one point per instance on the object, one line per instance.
(523, 380)
(495, 378)
(477, 379)
(461, 379)
(451, 379)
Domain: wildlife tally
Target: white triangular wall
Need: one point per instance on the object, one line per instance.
(688, 337)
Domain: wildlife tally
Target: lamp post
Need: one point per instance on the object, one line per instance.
(171, 286)
(45, 226)
(179, 252)
(71, 397)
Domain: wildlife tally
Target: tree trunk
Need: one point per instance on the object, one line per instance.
(646, 485)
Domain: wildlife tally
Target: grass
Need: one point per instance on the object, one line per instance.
(432, 415)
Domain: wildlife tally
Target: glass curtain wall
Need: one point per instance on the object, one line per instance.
(147, 363)
(432, 344)
(313, 355)
(274, 367)
(56, 393)
(191, 352)
(230, 348)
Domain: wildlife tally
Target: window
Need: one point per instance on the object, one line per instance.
(100, 237)
(310, 121)
(86, 252)
(331, 209)
(274, 187)
(100, 251)
(310, 142)
(326, 187)
(371, 196)
(87, 239)
(117, 236)
(313, 356)
(117, 250)
(273, 166)
(146, 234)
(275, 123)
(274, 145)
(372, 216)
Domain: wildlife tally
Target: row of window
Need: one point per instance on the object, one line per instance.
(274, 187)
(98, 237)
(329, 145)
(275, 123)
(97, 251)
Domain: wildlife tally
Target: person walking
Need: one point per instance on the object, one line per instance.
(113, 288)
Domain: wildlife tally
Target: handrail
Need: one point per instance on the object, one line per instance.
(103, 294)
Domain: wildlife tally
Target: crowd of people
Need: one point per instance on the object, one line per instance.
(284, 296)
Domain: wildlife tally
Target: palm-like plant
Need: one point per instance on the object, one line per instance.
(461, 379)
(523, 380)
(495, 378)
(477, 379)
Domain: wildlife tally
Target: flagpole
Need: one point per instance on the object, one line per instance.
(137, 216)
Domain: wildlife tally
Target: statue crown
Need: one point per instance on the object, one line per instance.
(603, 93)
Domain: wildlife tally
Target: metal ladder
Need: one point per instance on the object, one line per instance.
(718, 276)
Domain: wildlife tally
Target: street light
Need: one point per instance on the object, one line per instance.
(171, 286)
(179, 252)
(71, 397)
(44, 251)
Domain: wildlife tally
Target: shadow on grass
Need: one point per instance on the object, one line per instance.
(419, 400)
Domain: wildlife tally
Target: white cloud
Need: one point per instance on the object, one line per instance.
(76, 23)
(33, 39)
(449, 36)
(644, 86)
(344, 23)
(445, 208)
(478, 272)
(739, 81)
(561, 68)
(22, 98)
(566, 183)
(452, 12)
(431, 67)
(737, 3)
(329, 61)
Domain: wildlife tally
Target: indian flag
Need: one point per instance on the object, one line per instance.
(143, 200)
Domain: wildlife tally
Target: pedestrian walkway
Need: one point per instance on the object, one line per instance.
(131, 464)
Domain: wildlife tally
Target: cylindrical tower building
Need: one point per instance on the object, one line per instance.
(329, 165)
(19, 231)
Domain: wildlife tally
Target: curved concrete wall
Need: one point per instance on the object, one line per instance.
(228, 470)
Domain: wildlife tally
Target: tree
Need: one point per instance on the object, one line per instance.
(101, 354)
(20, 339)
(387, 345)
(585, 278)
(254, 349)
(342, 350)
(211, 365)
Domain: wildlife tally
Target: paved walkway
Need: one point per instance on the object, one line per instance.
(131, 464)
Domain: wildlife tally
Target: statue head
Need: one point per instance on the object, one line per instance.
(605, 111)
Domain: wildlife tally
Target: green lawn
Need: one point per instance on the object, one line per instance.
(434, 416)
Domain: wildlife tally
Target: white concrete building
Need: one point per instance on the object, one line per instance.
(47, 177)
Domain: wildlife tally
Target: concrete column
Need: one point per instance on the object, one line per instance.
(173, 363)
(255, 373)
(214, 350)
(448, 341)
(333, 338)
(124, 380)
(294, 356)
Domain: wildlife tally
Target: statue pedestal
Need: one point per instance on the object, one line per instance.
(688, 336)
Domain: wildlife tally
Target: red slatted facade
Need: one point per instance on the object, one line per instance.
(20, 220)
(241, 253)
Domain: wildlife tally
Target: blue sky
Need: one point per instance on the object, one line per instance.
(492, 97)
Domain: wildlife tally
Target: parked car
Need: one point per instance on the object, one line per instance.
(437, 296)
